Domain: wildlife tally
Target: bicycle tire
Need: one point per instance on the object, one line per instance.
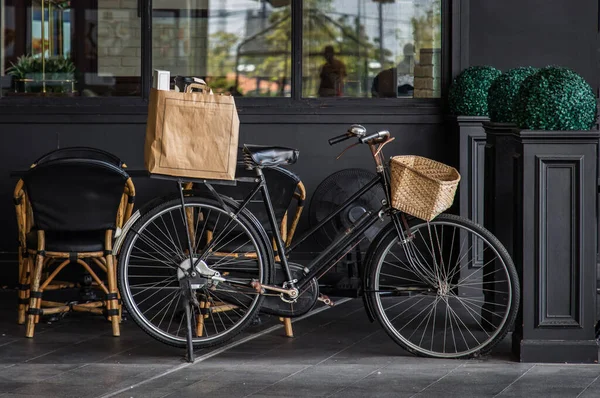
(247, 225)
(374, 292)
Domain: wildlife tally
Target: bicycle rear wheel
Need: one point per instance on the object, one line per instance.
(452, 291)
(155, 258)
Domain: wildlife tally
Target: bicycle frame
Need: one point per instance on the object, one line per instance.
(339, 247)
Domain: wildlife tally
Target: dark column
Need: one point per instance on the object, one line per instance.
(470, 137)
(498, 203)
(555, 245)
(499, 180)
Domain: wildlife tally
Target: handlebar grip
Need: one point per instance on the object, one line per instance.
(380, 134)
(339, 138)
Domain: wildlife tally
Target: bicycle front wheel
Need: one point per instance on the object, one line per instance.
(154, 263)
(450, 291)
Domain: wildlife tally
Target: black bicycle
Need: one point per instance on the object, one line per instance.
(196, 267)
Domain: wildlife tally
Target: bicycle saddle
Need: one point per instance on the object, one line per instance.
(270, 156)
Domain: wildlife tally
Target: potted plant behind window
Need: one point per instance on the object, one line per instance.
(49, 76)
(467, 100)
(60, 75)
(498, 153)
(555, 217)
(19, 71)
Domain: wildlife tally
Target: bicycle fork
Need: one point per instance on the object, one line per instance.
(406, 238)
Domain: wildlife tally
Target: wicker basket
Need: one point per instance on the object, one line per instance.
(422, 187)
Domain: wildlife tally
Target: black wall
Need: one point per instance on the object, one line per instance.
(28, 133)
(512, 33)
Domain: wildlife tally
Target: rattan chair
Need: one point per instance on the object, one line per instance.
(69, 209)
(24, 218)
(285, 188)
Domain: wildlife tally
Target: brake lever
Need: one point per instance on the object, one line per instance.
(344, 151)
(384, 144)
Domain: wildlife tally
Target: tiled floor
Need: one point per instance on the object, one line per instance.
(335, 353)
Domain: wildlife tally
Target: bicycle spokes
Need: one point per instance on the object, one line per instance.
(446, 293)
(161, 276)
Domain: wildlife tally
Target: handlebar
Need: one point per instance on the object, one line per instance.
(362, 139)
(339, 138)
(378, 135)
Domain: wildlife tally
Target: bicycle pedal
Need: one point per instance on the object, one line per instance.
(326, 300)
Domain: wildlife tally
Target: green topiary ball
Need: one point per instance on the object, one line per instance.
(555, 98)
(469, 90)
(503, 91)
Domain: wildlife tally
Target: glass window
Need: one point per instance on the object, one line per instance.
(70, 48)
(371, 48)
(242, 47)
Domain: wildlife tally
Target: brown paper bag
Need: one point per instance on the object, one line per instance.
(191, 135)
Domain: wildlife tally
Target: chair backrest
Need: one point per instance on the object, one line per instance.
(74, 194)
(79, 152)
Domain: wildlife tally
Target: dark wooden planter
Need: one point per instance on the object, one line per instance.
(467, 145)
(555, 201)
(471, 139)
(499, 181)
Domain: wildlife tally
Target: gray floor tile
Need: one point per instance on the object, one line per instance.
(11, 395)
(147, 352)
(300, 386)
(163, 386)
(10, 386)
(24, 350)
(212, 389)
(94, 382)
(398, 380)
(476, 379)
(592, 390)
(51, 390)
(553, 381)
(335, 353)
(28, 373)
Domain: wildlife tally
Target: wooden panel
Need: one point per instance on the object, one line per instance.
(471, 142)
(476, 194)
(559, 217)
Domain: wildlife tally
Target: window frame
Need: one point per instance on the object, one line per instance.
(451, 16)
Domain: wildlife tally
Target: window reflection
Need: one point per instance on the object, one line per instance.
(242, 47)
(371, 48)
(351, 48)
(70, 48)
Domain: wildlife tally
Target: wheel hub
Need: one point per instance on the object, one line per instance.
(200, 276)
(443, 288)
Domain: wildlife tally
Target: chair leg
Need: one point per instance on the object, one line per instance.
(35, 301)
(113, 302)
(20, 287)
(200, 321)
(287, 324)
(24, 280)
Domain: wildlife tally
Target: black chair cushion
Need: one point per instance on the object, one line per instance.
(75, 194)
(269, 156)
(88, 241)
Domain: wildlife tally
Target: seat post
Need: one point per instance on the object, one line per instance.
(273, 223)
(185, 219)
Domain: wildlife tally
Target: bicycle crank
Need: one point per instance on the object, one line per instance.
(326, 300)
(292, 293)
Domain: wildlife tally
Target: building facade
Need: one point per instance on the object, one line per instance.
(273, 56)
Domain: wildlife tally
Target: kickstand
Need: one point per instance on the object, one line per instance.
(188, 320)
